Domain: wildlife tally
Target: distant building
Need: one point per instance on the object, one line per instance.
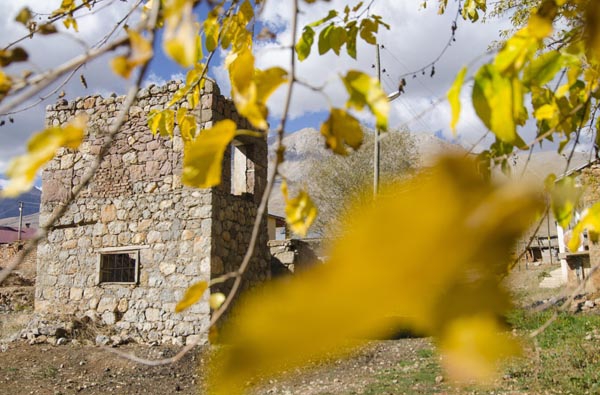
(9, 234)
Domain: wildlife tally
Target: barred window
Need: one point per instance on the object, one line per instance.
(119, 267)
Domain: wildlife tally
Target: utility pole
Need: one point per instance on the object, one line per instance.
(20, 219)
(376, 152)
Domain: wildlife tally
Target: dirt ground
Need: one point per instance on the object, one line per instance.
(68, 369)
(383, 367)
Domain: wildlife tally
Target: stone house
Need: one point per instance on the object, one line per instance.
(577, 266)
(136, 238)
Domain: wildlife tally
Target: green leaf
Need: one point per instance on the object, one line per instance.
(498, 102)
(203, 157)
(192, 295)
(454, 97)
(324, 39)
(351, 33)
(337, 38)
(304, 44)
(368, 29)
(542, 69)
(332, 14)
(364, 91)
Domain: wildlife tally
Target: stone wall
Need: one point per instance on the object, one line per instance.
(27, 268)
(590, 179)
(293, 255)
(137, 203)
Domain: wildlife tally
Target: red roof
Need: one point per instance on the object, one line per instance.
(8, 234)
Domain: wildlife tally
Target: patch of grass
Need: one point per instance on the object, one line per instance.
(409, 377)
(425, 353)
(563, 361)
(48, 372)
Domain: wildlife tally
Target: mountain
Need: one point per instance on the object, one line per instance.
(9, 207)
(543, 163)
(307, 145)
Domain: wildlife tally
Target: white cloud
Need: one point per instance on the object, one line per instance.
(415, 39)
(46, 52)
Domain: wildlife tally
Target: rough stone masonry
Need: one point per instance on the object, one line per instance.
(130, 245)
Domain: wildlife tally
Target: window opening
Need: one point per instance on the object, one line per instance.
(242, 169)
(119, 267)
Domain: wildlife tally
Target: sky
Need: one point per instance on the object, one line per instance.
(417, 37)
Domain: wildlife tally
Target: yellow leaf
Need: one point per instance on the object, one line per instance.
(364, 91)
(246, 12)
(192, 295)
(472, 346)
(300, 212)
(194, 82)
(40, 149)
(141, 49)
(539, 27)
(592, 27)
(216, 300)
(140, 53)
(5, 84)
(154, 119)
(121, 66)
(69, 21)
(454, 98)
(251, 88)
(167, 123)
(162, 122)
(589, 222)
(340, 129)
(406, 258)
(203, 157)
(565, 195)
(211, 31)
(24, 16)
(180, 38)
(267, 81)
(187, 124)
(547, 111)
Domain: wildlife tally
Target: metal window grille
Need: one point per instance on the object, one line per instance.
(118, 267)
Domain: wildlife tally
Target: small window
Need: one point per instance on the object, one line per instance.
(119, 267)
